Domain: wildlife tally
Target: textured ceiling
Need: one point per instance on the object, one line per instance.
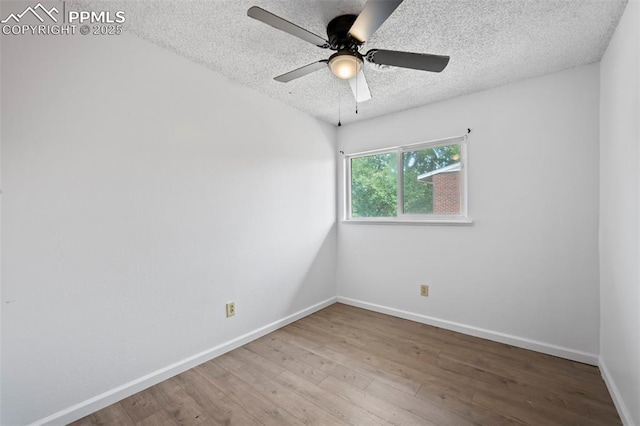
(490, 42)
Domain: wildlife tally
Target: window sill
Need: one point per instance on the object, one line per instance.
(463, 221)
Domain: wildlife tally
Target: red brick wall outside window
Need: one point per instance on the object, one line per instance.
(446, 193)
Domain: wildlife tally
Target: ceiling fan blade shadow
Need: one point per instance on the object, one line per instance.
(301, 72)
(359, 87)
(275, 21)
(373, 15)
(416, 61)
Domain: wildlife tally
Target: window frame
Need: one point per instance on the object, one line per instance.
(401, 217)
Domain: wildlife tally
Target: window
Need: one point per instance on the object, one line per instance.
(423, 183)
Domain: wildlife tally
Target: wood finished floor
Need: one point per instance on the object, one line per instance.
(345, 365)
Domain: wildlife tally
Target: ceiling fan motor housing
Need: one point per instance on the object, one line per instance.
(338, 33)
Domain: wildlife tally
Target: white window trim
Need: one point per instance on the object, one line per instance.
(402, 218)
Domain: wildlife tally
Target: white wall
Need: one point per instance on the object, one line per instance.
(620, 214)
(142, 192)
(526, 271)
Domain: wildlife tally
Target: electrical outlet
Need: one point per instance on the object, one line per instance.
(231, 309)
(424, 290)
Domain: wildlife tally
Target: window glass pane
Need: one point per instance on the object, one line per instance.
(374, 185)
(432, 181)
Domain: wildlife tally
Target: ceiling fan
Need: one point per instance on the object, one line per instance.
(346, 34)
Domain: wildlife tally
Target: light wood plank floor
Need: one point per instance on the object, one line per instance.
(345, 365)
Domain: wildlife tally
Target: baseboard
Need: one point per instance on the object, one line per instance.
(623, 411)
(520, 342)
(105, 399)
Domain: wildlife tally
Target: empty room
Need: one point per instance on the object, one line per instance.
(323, 212)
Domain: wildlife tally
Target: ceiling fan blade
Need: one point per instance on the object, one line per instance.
(302, 71)
(359, 87)
(373, 15)
(416, 61)
(275, 21)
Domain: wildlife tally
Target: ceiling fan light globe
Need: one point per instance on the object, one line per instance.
(345, 65)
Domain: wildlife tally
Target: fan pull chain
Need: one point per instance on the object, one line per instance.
(356, 92)
(339, 123)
